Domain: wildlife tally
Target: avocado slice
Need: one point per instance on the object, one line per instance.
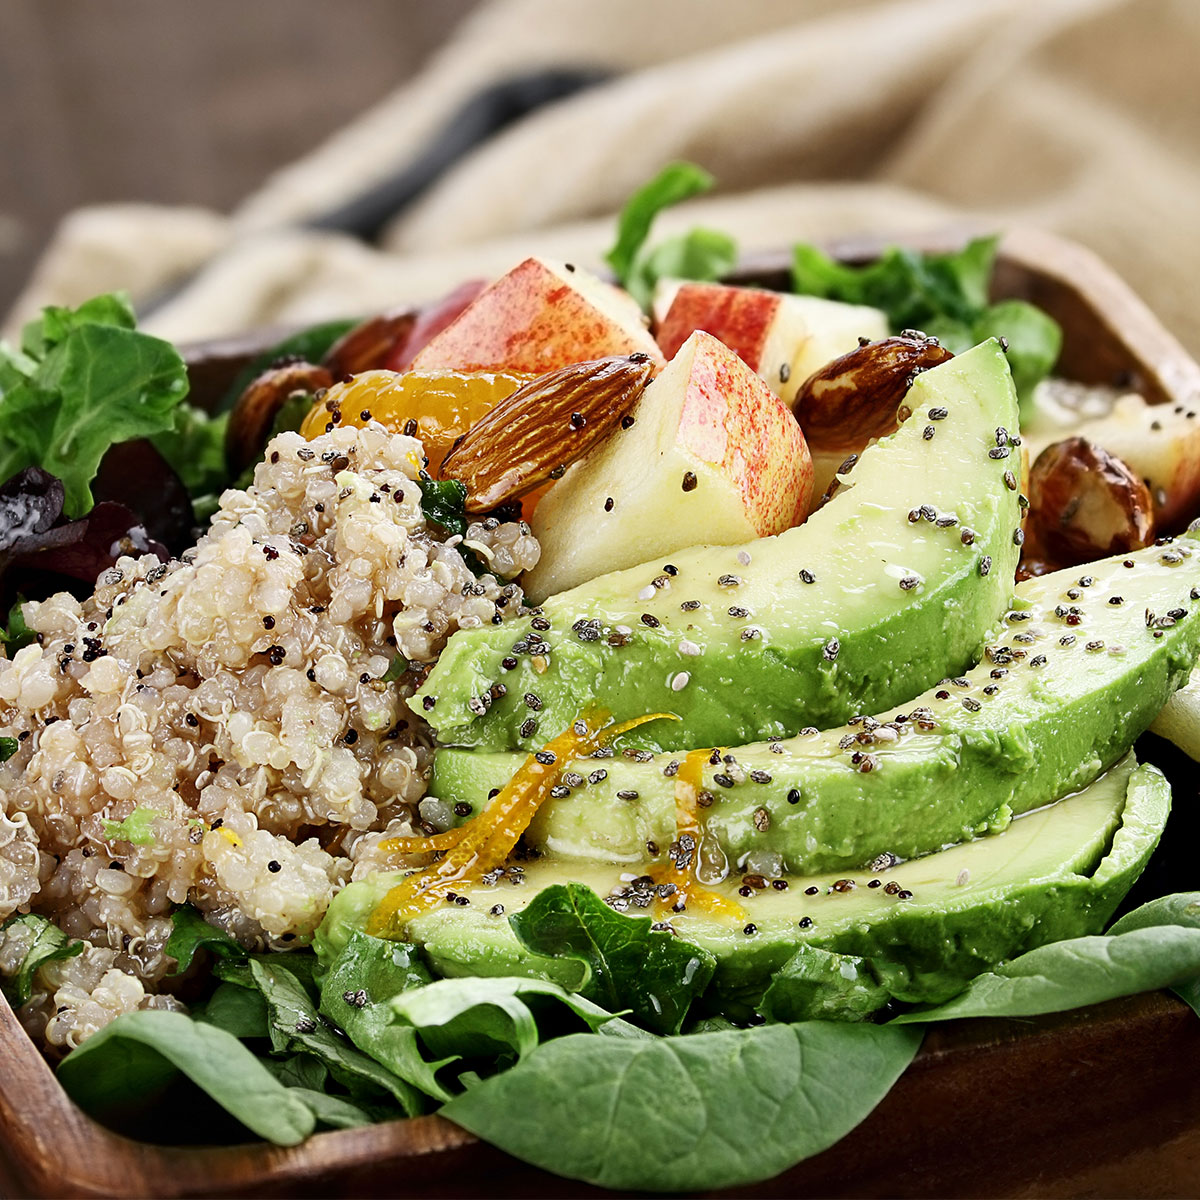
(927, 925)
(1079, 668)
(877, 595)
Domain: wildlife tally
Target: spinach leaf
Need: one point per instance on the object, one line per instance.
(946, 295)
(689, 1114)
(237, 1010)
(299, 1070)
(127, 1065)
(490, 1017)
(336, 1111)
(8, 747)
(443, 501)
(355, 994)
(1182, 908)
(653, 974)
(190, 932)
(1074, 973)
(18, 634)
(698, 254)
(98, 385)
(819, 985)
(300, 964)
(295, 1024)
(49, 945)
(137, 828)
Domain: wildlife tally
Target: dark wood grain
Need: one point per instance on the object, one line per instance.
(1098, 1102)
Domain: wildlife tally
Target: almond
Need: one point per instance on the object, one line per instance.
(254, 413)
(370, 344)
(1086, 504)
(858, 396)
(534, 434)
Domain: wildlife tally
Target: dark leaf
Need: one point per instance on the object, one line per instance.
(655, 975)
(190, 932)
(124, 1068)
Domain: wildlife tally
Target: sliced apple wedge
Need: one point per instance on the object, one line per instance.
(1159, 443)
(712, 456)
(537, 318)
(782, 338)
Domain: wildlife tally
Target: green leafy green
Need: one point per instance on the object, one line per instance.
(489, 1017)
(49, 945)
(380, 970)
(396, 668)
(237, 1010)
(443, 501)
(190, 932)
(697, 254)
(1182, 908)
(195, 447)
(819, 985)
(86, 381)
(1075, 973)
(8, 747)
(137, 828)
(945, 295)
(55, 324)
(310, 345)
(689, 1114)
(653, 974)
(18, 634)
(127, 1065)
(295, 1024)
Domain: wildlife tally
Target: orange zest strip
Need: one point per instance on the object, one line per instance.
(424, 845)
(680, 867)
(486, 842)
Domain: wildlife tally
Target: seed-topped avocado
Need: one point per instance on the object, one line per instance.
(880, 593)
(928, 924)
(1078, 668)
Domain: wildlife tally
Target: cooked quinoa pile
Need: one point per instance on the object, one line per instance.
(229, 729)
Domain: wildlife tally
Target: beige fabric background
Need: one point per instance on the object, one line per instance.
(819, 118)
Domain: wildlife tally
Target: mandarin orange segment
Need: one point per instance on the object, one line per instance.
(443, 404)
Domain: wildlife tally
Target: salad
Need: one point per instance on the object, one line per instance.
(620, 718)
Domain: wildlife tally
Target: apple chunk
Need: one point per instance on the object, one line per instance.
(783, 338)
(712, 455)
(537, 318)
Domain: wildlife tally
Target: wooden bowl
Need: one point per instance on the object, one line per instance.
(1102, 1101)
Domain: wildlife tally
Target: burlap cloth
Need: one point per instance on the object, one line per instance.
(819, 118)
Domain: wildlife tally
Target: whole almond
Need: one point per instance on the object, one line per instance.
(535, 433)
(858, 396)
(370, 344)
(1086, 504)
(254, 413)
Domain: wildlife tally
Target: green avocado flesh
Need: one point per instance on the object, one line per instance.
(1077, 671)
(850, 612)
(1058, 872)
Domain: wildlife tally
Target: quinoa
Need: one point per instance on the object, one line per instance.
(234, 704)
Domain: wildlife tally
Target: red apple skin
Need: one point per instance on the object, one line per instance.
(536, 319)
(734, 422)
(739, 317)
(431, 320)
